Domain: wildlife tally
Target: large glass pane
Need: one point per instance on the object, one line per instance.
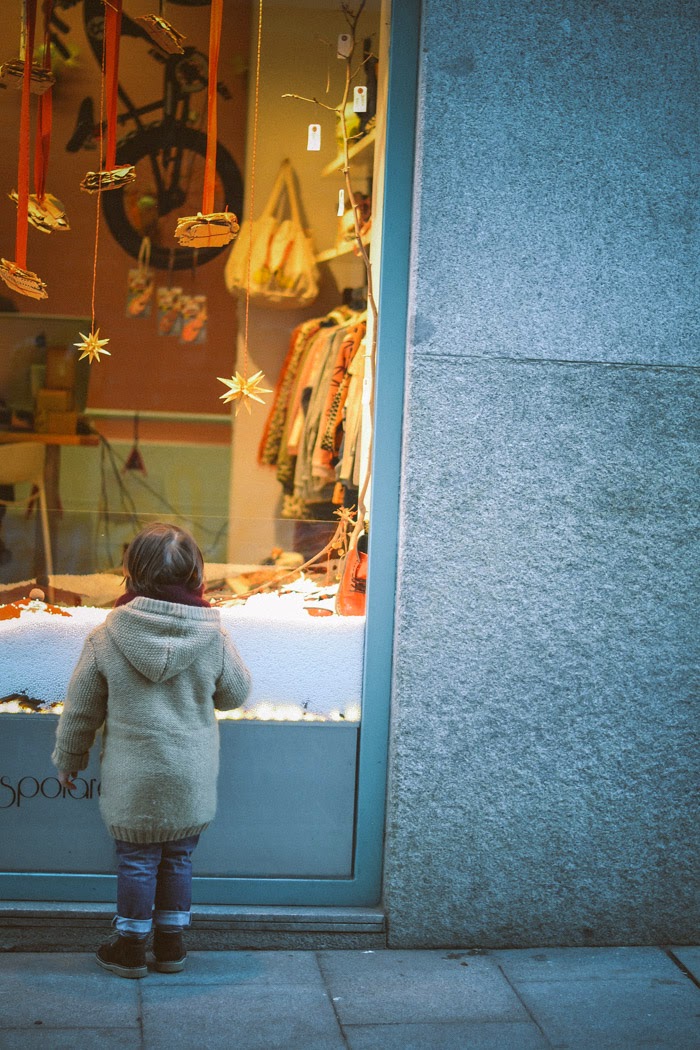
(276, 497)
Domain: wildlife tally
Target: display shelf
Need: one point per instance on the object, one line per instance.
(338, 253)
(361, 146)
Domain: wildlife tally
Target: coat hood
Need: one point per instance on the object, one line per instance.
(161, 639)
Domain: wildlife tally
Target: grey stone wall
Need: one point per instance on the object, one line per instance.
(543, 743)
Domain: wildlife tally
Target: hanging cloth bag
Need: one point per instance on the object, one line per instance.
(282, 265)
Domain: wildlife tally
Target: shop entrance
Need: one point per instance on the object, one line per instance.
(301, 809)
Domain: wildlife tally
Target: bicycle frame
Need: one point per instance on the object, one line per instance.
(163, 143)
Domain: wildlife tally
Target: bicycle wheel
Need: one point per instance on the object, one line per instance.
(169, 162)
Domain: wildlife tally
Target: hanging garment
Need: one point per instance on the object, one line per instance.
(349, 465)
(325, 453)
(274, 427)
(318, 391)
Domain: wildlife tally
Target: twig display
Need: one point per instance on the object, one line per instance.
(338, 543)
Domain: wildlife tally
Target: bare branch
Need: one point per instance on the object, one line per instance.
(362, 64)
(302, 98)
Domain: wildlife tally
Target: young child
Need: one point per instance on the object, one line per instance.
(152, 676)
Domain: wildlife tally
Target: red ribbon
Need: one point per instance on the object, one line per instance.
(217, 10)
(112, 29)
(45, 114)
(23, 166)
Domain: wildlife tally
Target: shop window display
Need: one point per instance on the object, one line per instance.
(277, 491)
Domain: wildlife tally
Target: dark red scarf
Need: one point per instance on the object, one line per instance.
(169, 592)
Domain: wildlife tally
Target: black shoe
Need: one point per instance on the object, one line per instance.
(125, 956)
(169, 951)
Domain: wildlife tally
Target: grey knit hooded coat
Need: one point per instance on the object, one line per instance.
(151, 677)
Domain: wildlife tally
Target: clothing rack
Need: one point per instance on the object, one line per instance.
(313, 430)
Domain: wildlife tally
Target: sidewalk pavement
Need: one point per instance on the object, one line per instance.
(528, 999)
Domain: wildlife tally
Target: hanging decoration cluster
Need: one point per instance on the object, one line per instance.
(14, 272)
(162, 32)
(243, 389)
(45, 212)
(209, 228)
(111, 177)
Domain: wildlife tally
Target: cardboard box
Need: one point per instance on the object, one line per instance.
(61, 364)
(61, 423)
(53, 401)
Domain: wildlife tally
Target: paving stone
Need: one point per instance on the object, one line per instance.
(576, 964)
(245, 968)
(392, 987)
(60, 990)
(463, 1035)
(658, 1012)
(690, 957)
(47, 1038)
(220, 1017)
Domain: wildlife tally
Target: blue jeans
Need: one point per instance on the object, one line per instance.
(154, 883)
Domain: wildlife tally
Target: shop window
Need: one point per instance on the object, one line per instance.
(278, 497)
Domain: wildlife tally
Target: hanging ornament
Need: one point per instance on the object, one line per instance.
(21, 280)
(169, 317)
(207, 231)
(193, 309)
(45, 212)
(39, 79)
(165, 36)
(14, 272)
(92, 346)
(193, 312)
(110, 177)
(242, 390)
(209, 228)
(135, 461)
(46, 215)
(40, 76)
(139, 283)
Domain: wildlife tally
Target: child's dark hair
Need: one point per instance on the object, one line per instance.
(163, 556)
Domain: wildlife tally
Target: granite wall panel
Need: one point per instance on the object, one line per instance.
(558, 207)
(544, 735)
(543, 738)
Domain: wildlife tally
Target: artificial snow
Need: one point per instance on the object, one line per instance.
(312, 663)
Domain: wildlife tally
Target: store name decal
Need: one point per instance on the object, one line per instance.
(14, 792)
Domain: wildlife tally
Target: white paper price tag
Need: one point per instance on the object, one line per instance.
(360, 100)
(345, 45)
(314, 139)
(341, 203)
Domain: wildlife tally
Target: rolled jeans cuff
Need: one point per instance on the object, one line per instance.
(136, 927)
(176, 920)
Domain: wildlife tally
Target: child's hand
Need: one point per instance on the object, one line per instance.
(66, 779)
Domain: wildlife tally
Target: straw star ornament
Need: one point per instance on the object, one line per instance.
(243, 390)
(92, 346)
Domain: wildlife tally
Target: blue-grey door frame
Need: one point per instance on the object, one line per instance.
(364, 888)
